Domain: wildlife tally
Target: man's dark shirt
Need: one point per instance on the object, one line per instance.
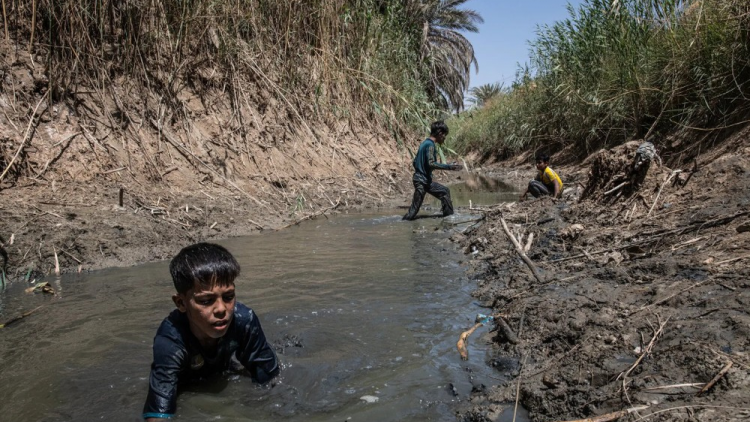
(425, 161)
(179, 357)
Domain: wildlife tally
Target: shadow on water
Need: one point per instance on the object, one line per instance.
(364, 311)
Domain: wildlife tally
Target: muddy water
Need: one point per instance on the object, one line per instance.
(365, 311)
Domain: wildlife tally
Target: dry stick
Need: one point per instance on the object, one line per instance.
(23, 141)
(726, 261)
(666, 387)
(645, 352)
(716, 378)
(662, 187)
(74, 258)
(519, 249)
(611, 416)
(616, 188)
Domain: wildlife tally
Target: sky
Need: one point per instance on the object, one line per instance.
(503, 39)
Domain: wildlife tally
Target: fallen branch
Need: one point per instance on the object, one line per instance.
(716, 378)
(520, 251)
(611, 416)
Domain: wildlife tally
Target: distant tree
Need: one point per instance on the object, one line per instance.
(481, 94)
(447, 56)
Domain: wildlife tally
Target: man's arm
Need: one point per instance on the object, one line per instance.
(434, 165)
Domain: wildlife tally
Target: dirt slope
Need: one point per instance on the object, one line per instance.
(115, 176)
(644, 294)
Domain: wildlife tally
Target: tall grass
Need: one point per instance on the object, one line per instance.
(325, 57)
(620, 70)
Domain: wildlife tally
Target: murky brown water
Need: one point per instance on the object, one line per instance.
(376, 305)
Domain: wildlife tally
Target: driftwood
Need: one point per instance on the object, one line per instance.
(520, 251)
(464, 339)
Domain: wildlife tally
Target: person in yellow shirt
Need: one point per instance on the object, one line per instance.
(546, 182)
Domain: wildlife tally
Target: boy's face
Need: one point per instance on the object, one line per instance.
(541, 165)
(440, 138)
(209, 310)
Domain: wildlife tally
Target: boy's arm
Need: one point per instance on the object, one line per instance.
(557, 188)
(258, 356)
(161, 402)
(434, 164)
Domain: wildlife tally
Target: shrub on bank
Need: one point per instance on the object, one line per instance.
(618, 70)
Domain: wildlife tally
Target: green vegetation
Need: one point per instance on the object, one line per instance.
(396, 63)
(479, 95)
(620, 70)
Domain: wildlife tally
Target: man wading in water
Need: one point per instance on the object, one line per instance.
(424, 163)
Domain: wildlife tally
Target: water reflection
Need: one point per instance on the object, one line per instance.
(479, 189)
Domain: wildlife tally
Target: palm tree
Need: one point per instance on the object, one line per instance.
(481, 94)
(445, 53)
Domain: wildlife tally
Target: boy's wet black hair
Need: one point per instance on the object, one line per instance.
(543, 157)
(438, 127)
(206, 264)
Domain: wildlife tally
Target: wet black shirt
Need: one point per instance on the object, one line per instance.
(426, 161)
(178, 357)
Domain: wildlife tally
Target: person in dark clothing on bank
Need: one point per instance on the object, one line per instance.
(424, 163)
(207, 333)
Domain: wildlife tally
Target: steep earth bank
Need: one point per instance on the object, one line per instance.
(642, 297)
(113, 175)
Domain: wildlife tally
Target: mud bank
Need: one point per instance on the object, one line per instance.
(114, 175)
(643, 297)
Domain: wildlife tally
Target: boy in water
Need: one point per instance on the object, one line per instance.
(207, 329)
(424, 163)
(546, 182)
